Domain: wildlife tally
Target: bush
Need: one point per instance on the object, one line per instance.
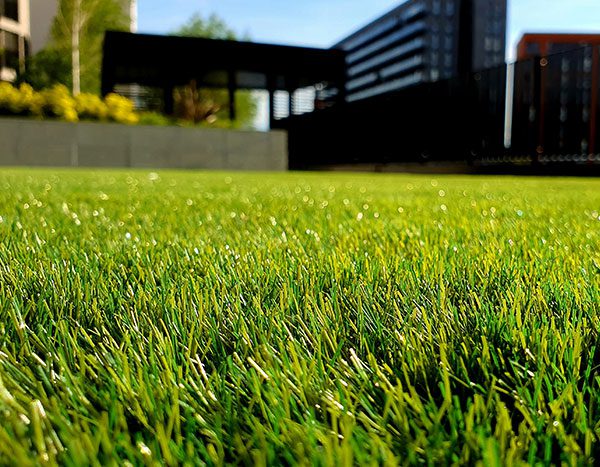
(155, 119)
(120, 109)
(91, 107)
(58, 102)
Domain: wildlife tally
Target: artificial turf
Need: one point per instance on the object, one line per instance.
(317, 319)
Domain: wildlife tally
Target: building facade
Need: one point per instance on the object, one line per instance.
(42, 16)
(557, 94)
(14, 37)
(542, 45)
(424, 40)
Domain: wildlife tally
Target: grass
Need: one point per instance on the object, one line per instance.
(297, 318)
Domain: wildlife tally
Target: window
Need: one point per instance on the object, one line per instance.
(386, 41)
(10, 49)
(9, 9)
(448, 42)
(489, 43)
(533, 48)
(448, 61)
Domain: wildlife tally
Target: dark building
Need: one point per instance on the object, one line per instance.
(557, 88)
(422, 41)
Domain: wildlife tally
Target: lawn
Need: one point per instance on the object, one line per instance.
(320, 319)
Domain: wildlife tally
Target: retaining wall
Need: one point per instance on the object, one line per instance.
(59, 144)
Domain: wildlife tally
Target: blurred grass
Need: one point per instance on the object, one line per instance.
(319, 319)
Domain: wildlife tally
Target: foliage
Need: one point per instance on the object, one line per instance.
(170, 318)
(211, 28)
(205, 105)
(57, 102)
(22, 101)
(120, 109)
(155, 119)
(47, 68)
(87, 20)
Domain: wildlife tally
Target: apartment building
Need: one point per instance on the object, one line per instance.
(14, 37)
(42, 16)
(557, 89)
(424, 40)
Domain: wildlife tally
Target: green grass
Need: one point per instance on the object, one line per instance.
(323, 319)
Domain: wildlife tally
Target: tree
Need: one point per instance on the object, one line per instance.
(46, 68)
(211, 28)
(210, 105)
(78, 31)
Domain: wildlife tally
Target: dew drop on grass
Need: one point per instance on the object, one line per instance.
(360, 216)
(144, 450)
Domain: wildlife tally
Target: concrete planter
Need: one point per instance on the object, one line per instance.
(59, 144)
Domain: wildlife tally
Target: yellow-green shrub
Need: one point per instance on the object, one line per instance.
(58, 102)
(120, 109)
(19, 101)
(90, 107)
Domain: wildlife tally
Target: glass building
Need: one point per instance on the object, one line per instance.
(424, 40)
(14, 37)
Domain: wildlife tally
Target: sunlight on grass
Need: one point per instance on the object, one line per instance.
(321, 319)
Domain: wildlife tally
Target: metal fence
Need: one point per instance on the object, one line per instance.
(539, 111)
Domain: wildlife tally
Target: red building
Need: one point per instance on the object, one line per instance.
(557, 90)
(542, 45)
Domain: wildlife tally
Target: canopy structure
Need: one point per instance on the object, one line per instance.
(169, 61)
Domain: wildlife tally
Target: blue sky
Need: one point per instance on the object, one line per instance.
(321, 23)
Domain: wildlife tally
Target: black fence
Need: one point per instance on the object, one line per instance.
(551, 115)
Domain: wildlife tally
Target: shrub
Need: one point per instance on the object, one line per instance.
(58, 102)
(154, 119)
(91, 107)
(120, 109)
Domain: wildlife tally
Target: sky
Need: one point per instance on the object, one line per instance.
(321, 23)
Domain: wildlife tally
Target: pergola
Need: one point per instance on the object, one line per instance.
(169, 61)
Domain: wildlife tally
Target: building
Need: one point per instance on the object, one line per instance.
(543, 45)
(42, 15)
(557, 94)
(424, 40)
(14, 37)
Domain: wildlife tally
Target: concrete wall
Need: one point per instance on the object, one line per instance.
(59, 144)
